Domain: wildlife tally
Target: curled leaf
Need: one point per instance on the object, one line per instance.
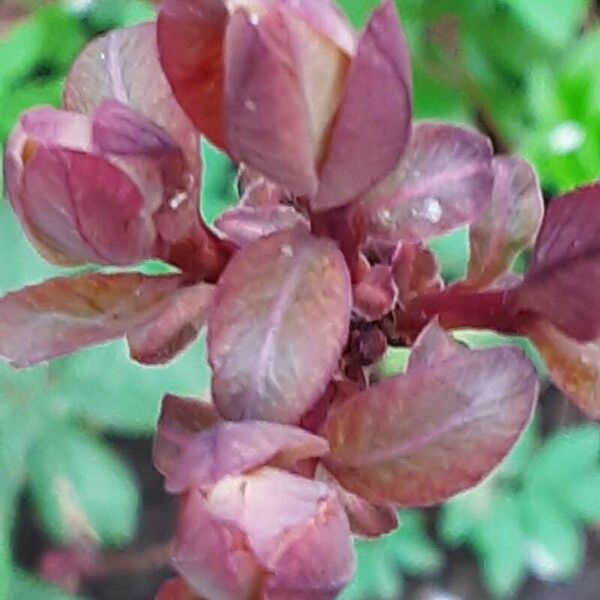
(268, 535)
(370, 132)
(510, 223)
(237, 448)
(180, 420)
(417, 439)
(366, 520)
(247, 224)
(62, 315)
(274, 295)
(178, 325)
(562, 283)
(443, 181)
(574, 366)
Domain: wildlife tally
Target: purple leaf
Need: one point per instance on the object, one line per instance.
(177, 326)
(268, 535)
(274, 297)
(62, 315)
(236, 448)
(371, 129)
(79, 208)
(444, 181)
(562, 283)
(417, 439)
(180, 420)
(574, 366)
(432, 347)
(190, 42)
(123, 65)
(269, 135)
(247, 224)
(509, 225)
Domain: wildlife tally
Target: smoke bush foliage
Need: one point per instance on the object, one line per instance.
(303, 286)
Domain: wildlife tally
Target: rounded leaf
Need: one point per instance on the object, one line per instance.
(275, 297)
(443, 181)
(419, 438)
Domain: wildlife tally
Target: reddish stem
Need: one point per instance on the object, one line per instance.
(456, 309)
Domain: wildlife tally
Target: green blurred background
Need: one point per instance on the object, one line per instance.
(74, 435)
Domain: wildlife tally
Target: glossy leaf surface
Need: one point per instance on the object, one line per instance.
(443, 181)
(66, 314)
(268, 361)
(510, 223)
(419, 438)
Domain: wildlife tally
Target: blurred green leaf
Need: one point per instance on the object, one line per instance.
(500, 543)
(46, 91)
(25, 587)
(103, 386)
(554, 544)
(382, 562)
(557, 21)
(567, 455)
(452, 252)
(393, 362)
(415, 553)
(51, 38)
(582, 498)
(108, 14)
(358, 12)
(80, 487)
(219, 183)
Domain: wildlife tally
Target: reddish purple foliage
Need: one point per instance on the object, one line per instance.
(321, 267)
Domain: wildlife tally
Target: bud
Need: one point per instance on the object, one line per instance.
(86, 188)
(287, 88)
(269, 535)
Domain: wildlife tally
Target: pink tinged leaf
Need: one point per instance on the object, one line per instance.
(443, 181)
(247, 224)
(296, 529)
(212, 554)
(180, 420)
(432, 347)
(162, 339)
(41, 127)
(86, 209)
(237, 448)
(176, 589)
(123, 65)
(191, 37)
(509, 225)
(376, 294)
(62, 315)
(120, 130)
(265, 113)
(415, 271)
(574, 366)
(562, 283)
(366, 520)
(371, 130)
(419, 438)
(273, 298)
